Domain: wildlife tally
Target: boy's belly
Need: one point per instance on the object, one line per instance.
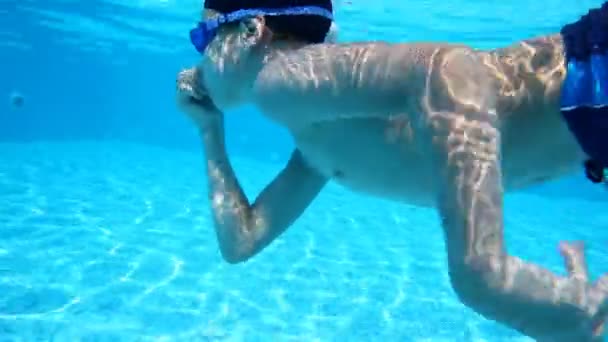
(536, 147)
(389, 160)
(369, 156)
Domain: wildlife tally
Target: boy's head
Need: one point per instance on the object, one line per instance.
(307, 28)
(234, 34)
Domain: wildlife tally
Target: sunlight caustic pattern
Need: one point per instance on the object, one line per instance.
(114, 241)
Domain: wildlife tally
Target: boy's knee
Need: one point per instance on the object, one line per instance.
(477, 281)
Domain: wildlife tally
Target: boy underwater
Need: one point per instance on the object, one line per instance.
(431, 124)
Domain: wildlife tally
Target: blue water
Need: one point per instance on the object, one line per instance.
(105, 227)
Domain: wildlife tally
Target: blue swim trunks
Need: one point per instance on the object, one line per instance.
(584, 97)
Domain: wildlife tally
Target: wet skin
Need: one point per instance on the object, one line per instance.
(429, 124)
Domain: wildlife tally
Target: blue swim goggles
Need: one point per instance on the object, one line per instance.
(205, 31)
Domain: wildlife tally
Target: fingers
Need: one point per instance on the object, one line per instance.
(188, 83)
(185, 82)
(574, 258)
(598, 322)
(602, 283)
(576, 265)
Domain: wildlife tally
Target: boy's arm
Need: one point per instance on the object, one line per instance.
(243, 229)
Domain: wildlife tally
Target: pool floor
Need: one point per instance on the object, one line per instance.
(113, 242)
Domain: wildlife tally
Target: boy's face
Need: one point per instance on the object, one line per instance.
(227, 62)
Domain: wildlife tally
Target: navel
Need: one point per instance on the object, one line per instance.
(338, 174)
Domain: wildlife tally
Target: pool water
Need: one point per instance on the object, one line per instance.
(113, 242)
(106, 232)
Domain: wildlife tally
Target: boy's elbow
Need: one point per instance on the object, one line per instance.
(236, 254)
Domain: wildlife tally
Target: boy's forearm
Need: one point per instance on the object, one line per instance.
(230, 207)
